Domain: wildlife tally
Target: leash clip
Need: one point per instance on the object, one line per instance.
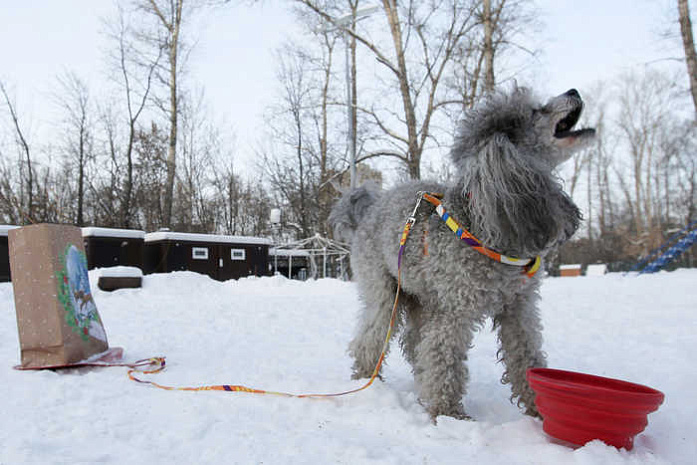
(412, 218)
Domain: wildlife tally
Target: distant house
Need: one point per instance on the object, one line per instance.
(107, 247)
(220, 257)
(599, 269)
(4, 253)
(570, 270)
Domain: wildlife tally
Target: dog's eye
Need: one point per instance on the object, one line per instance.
(539, 112)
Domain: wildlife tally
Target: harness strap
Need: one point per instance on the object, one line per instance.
(530, 265)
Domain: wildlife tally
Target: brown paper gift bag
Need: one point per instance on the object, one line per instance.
(57, 318)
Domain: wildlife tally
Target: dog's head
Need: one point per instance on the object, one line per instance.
(556, 121)
(544, 132)
(506, 153)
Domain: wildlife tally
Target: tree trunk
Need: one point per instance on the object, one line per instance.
(414, 152)
(81, 177)
(173, 119)
(173, 28)
(128, 188)
(28, 216)
(354, 92)
(689, 46)
(324, 190)
(301, 172)
(489, 81)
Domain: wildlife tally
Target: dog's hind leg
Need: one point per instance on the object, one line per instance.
(377, 289)
(411, 308)
(520, 339)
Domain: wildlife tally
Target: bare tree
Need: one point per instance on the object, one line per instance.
(689, 47)
(134, 68)
(201, 144)
(423, 38)
(150, 170)
(290, 178)
(74, 99)
(488, 45)
(242, 207)
(646, 115)
(28, 212)
(301, 157)
(169, 17)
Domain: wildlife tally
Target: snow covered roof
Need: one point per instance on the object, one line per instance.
(112, 232)
(570, 267)
(4, 228)
(120, 272)
(191, 237)
(289, 252)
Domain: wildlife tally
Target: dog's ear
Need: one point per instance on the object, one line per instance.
(516, 204)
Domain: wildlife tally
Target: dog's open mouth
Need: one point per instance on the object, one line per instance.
(566, 109)
(564, 128)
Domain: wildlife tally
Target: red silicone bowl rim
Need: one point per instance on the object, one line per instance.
(564, 382)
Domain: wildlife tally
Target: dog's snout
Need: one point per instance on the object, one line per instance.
(573, 93)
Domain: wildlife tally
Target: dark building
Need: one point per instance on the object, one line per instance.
(4, 254)
(220, 257)
(106, 247)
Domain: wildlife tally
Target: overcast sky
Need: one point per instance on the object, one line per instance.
(580, 42)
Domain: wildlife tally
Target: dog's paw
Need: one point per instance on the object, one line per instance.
(457, 412)
(532, 411)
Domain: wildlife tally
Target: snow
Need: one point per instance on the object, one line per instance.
(119, 272)
(113, 232)
(276, 334)
(5, 228)
(289, 252)
(192, 237)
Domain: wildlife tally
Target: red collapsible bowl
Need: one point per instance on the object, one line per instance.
(578, 408)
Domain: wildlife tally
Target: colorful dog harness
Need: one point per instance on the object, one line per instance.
(530, 265)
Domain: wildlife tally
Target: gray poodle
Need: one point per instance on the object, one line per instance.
(507, 195)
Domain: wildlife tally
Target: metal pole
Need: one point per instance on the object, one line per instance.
(350, 19)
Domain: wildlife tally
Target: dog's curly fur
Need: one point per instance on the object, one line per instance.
(507, 195)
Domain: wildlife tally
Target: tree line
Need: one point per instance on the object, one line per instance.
(366, 81)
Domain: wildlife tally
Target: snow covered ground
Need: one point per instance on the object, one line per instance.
(276, 334)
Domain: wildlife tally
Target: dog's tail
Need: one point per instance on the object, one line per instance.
(350, 209)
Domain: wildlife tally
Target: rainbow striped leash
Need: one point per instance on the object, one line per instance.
(157, 364)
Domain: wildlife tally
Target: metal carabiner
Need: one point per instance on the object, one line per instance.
(412, 218)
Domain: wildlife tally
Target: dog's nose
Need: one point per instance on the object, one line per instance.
(573, 93)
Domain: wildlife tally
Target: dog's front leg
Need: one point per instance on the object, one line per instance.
(520, 339)
(439, 368)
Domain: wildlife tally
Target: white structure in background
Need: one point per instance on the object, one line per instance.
(314, 257)
(596, 270)
(320, 257)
